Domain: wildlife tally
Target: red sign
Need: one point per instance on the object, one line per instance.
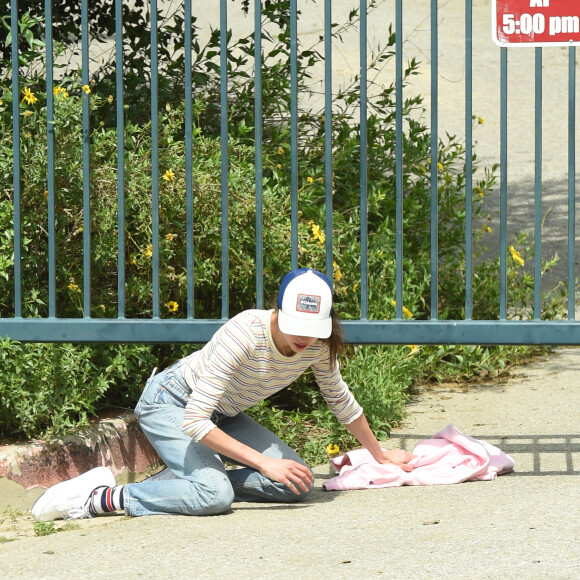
(536, 22)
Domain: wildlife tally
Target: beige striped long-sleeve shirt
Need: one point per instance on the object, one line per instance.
(241, 366)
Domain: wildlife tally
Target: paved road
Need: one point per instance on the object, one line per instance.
(522, 525)
(451, 102)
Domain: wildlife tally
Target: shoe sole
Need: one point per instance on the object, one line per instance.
(80, 486)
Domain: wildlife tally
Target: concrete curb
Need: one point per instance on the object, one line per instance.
(26, 470)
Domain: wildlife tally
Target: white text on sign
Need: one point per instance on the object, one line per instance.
(536, 22)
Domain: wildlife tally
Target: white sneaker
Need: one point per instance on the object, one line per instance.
(70, 499)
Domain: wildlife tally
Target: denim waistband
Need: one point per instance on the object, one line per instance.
(174, 382)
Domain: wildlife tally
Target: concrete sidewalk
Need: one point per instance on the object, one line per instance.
(520, 525)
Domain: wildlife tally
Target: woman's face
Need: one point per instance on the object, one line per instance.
(298, 343)
(289, 344)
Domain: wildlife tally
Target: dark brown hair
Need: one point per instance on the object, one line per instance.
(336, 339)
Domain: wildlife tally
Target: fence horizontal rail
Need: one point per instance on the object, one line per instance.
(411, 332)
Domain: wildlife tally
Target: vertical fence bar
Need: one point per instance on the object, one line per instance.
(363, 163)
(503, 185)
(328, 132)
(224, 154)
(50, 160)
(571, 182)
(188, 159)
(16, 160)
(155, 157)
(538, 188)
(120, 112)
(468, 160)
(258, 152)
(294, 133)
(399, 159)
(434, 161)
(86, 161)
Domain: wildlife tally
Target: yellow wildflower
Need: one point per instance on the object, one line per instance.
(170, 237)
(414, 348)
(406, 311)
(486, 229)
(72, 286)
(440, 166)
(110, 99)
(332, 450)
(102, 307)
(479, 191)
(172, 306)
(27, 113)
(280, 150)
(337, 272)
(29, 96)
(516, 256)
(87, 89)
(309, 179)
(278, 166)
(148, 252)
(317, 234)
(58, 90)
(480, 120)
(169, 175)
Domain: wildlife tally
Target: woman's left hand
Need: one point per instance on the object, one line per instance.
(398, 457)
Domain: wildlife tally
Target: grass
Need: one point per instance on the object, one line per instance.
(47, 528)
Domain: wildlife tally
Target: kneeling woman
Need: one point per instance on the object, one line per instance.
(193, 415)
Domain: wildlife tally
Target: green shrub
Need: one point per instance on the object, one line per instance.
(47, 389)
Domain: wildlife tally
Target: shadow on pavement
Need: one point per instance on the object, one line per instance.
(537, 455)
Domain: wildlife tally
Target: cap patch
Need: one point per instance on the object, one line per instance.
(308, 303)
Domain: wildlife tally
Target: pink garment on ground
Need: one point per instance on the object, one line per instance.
(448, 457)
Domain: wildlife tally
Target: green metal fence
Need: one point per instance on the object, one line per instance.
(363, 330)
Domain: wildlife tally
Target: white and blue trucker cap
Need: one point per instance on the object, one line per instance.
(305, 304)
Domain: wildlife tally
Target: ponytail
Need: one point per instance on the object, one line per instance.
(336, 339)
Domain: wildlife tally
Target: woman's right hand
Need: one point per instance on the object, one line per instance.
(292, 474)
(287, 471)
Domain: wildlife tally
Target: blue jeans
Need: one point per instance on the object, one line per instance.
(202, 484)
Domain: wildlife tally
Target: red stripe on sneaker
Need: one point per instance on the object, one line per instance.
(109, 499)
